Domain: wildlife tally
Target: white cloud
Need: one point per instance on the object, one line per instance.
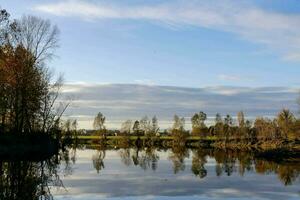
(145, 81)
(278, 31)
(234, 78)
(226, 77)
(132, 101)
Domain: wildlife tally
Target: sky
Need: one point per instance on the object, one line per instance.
(188, 44)
(178, 43)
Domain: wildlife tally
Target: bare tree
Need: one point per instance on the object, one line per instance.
(126, 127)
(241, 119)
(29, 95)
(99, 122)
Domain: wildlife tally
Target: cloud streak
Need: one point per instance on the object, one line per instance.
(131, 101)
(275, 30)
(235, 78)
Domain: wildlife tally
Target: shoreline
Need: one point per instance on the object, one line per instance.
(192, 141)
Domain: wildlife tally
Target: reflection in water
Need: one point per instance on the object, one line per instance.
(177, 156)
(27, 180)
(98, 160)
(33, 179)
(146, 158)
(227, 162)
(198, 162)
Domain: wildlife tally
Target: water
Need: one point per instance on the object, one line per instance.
(174, 174)
(93, 172)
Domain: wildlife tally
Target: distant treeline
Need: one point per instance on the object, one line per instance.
(285, 126)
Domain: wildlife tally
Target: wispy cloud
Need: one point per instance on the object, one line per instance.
(132, 101)
(145, 81)
(277, 31)
(234, 78)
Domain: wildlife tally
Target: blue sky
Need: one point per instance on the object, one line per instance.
(216, 56)
(176, 43)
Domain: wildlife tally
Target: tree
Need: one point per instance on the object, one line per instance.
(99, 121)
(74, 125)
(198, 125)
(265, 129)
(285, 120)
(218, 119)
(155, 127)
(241, 119)
(27, 101)
(227, 128)
(228, 120)
(126, 127)
(136, 127)
(67, 125)
(198, 120)
(145, 125)
(179, 123)
(219, 126)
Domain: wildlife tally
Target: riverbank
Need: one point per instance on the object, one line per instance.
(192, 141)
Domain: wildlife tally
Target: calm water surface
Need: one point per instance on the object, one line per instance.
(173, 174)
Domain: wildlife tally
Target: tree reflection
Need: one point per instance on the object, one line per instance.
(148, 159)
(287, 173)
(177, 156)
(125, 156)
(24, 180)
(198, 162)
(227, 162)
(98, 160)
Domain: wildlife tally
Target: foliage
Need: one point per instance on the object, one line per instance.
(28, 94)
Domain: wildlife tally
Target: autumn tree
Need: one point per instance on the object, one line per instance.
(178, 132)
(265, 129)
(28, 94)
(241, 119)
(198, 125)
(285, 120)
(219, 125)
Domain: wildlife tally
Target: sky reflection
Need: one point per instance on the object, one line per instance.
(119, 181)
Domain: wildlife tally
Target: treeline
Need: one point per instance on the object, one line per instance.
(28, 93)
(285, 126)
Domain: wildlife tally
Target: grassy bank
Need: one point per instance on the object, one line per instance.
(195, 141)
(189, 138)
